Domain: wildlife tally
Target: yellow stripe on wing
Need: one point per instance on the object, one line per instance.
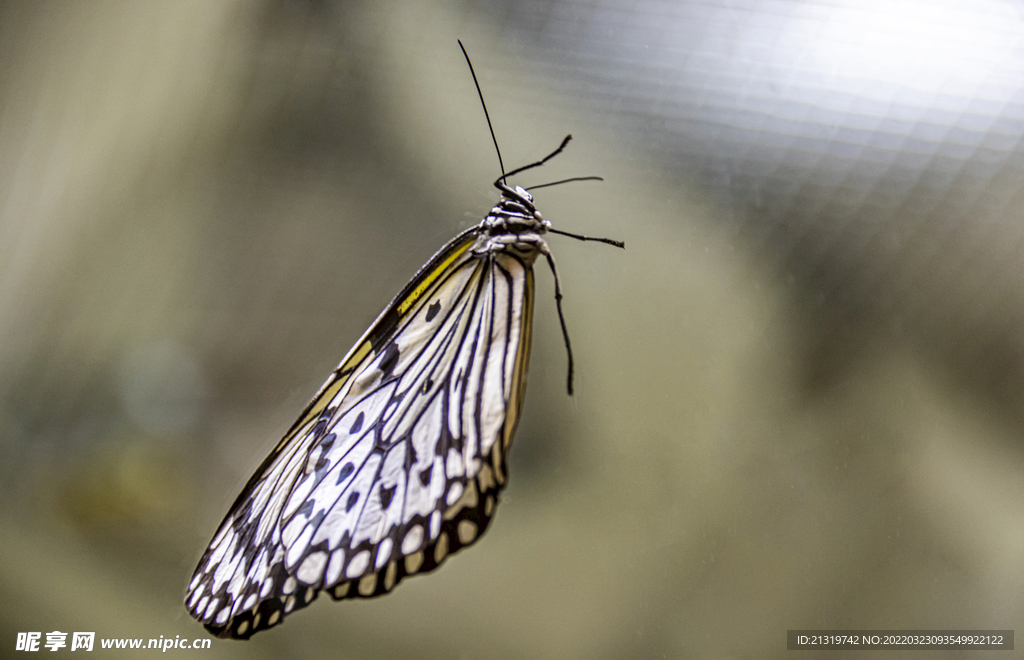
(431, 277)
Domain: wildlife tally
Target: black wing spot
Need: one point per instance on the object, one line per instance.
(432, 311)
(346, 470)
(389, 360)
(358, 424)
(427, 384)
(306, 508)
(352, 499)
(425, 475)
(386, 495)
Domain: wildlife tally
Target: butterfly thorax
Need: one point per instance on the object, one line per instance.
(514, 221)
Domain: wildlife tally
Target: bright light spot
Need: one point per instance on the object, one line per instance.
(950, 48)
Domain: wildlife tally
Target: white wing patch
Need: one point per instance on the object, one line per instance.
(400, 467)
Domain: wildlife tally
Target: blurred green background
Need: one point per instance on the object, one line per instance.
(800, 390)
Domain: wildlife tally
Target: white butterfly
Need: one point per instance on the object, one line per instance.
(398, 460)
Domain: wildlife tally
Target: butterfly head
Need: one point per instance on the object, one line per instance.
(515, 212)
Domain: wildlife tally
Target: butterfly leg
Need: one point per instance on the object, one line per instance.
(546, 251)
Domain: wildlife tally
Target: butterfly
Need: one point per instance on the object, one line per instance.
(399, 459)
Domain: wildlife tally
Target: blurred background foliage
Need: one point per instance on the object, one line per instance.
(799, 390)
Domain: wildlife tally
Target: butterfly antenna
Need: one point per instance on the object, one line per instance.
(540, 162)
(547, 253)
(486, 114)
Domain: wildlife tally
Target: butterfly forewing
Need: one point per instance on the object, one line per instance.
(398, 460)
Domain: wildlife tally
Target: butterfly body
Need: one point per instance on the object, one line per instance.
(399, 459)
